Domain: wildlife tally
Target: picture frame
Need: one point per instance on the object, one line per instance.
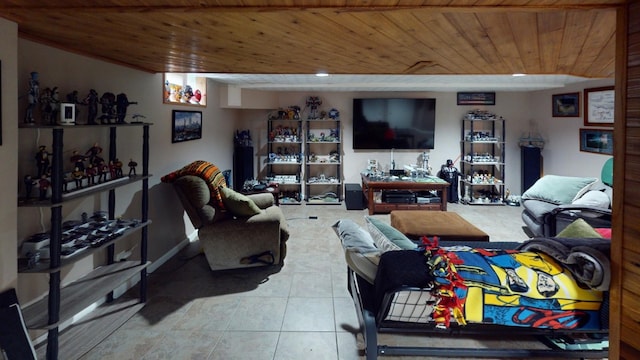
(476, 98)
(599, 141)
(186, 125)
(565, 105)
(599, 106)
(67, 114)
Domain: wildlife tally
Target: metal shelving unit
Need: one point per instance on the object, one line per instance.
(285, 158)
(64, 302)
(323, 174)
(482, 167)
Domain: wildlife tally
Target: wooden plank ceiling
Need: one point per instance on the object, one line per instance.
(571, 37)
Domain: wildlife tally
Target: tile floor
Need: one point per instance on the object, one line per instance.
(299, 311)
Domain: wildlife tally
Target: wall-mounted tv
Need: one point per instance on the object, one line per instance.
(401, 123)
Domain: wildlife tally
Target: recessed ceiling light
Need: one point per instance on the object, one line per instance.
(322, 74)
(519, 74)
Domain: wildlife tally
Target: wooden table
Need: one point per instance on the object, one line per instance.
(370, 186)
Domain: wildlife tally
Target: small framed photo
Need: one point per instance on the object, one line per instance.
(187, 125)
(599, 106)
(476, 98)
(67, 114)
(597, 141)
(565, 105)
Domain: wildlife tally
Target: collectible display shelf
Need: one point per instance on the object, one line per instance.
(63, 302)
(323, 174)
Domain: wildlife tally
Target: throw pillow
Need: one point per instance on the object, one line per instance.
(238, 204)
(578, 229)
(604, 232)
(210, 173)
(388, 238)
(353, 237)
(594, 198)
(559, 189)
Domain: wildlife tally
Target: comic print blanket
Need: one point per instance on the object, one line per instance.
(508, 287)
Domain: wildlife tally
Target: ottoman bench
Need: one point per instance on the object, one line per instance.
(448, 226)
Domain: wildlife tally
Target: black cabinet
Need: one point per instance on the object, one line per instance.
(242, 166)
(531, 161)
(354, 197)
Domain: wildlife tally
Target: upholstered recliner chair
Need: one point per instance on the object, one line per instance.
(234, 230)
(553, 202)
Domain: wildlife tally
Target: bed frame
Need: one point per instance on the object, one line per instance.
(593, 346)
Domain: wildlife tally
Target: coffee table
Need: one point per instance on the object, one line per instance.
(448, 226)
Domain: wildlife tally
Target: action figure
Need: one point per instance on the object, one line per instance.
(92, 101)
(118, 168)
(42, 160)
(78, 175)
(132, 167)
(78, 160)
(313, 102)
(108, 102)
(103, 170)
(122, 103)
(450, 174)
(33, 96)
(91, 172)
(93, 154)
(50, 100)
(28, 185)
(44, 185)
(73, 98)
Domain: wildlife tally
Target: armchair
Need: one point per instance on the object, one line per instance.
(238, 231)
(554, 202)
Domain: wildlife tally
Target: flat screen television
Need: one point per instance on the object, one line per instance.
(389, 123)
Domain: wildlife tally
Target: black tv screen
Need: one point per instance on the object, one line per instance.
(393, 123)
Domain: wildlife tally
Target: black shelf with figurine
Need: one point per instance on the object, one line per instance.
(482, 167)
(62, 302)
(323, 173)
(285, 155)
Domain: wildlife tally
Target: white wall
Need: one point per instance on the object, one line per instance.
(520, 109)
(72, 72)
(8, 151)
(561, 152)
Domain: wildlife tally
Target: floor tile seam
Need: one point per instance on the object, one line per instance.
(151, 353)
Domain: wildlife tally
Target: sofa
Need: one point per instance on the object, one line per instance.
(553, 202)
(235, 230)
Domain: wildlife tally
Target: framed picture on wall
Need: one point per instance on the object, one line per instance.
(565, 105)
(599, 106)
(596, 141)
(187, 125)
(476, 98)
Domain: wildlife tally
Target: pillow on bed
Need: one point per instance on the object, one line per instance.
(559, 189)
(386, 237)
(361, 253)
(594, 198)
(354, 237)
(579, 229)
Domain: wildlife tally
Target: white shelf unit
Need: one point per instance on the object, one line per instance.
(285, 158)
(323, 174)
(62, 303)
(482, 167)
